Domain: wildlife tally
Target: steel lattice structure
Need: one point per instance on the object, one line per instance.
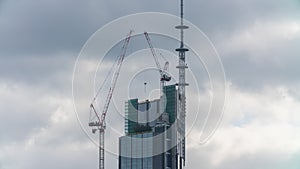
(181, 91)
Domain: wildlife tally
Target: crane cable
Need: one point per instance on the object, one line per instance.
(158, 49)
(106, 78)
(104, 82)
(102, 85)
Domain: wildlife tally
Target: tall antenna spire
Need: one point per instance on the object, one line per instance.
(181, 14)
(181, 91)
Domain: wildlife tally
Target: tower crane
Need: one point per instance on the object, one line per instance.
(163, 72)
(99, 124)
(164, 77)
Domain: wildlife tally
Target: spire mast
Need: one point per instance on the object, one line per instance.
(181, 91)
(181, 15)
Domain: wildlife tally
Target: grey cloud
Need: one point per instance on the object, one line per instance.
(216, 17)
(51, 73)
(40, 41)
(46, 27)
(278, 65)
(57, 26)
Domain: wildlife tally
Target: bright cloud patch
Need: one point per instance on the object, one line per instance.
(262, 124)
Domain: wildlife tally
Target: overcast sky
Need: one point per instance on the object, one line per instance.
(258, 43)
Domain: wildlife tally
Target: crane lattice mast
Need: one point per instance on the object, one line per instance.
(99, 124)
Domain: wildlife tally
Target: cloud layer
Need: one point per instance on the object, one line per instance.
(258, 44)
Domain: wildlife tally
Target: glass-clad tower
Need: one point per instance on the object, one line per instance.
(150, 139)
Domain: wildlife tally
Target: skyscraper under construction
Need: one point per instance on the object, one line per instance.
(155, 129)
(150, 141)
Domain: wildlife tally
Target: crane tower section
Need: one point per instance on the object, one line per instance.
(99, 124)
